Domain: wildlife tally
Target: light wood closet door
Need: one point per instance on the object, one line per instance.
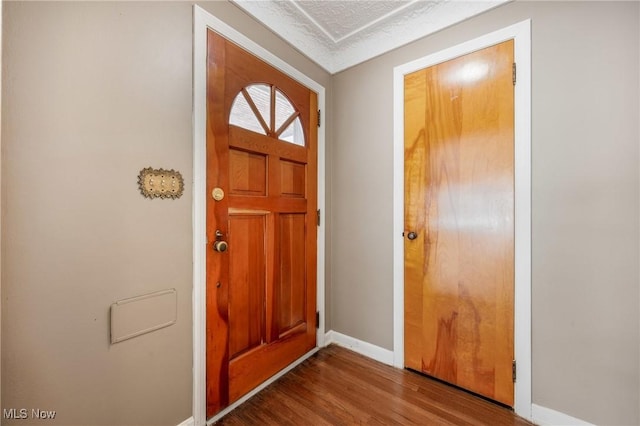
(459, 221)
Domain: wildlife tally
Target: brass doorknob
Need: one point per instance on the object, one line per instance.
(220, 246)
(412, 235)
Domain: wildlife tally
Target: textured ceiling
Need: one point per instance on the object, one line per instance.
(342, 19)
(337, 34)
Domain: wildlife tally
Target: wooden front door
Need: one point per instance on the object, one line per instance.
(261, 221)
(459, 221)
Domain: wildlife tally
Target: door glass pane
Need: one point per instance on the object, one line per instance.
(261, 96)
(242, 115)
(294, 133)
(284, 109)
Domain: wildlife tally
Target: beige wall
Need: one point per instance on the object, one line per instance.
(585, 200)
(93, 93)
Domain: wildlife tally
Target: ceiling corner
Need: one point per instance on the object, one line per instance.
(339, 34)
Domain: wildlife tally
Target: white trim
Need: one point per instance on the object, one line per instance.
(199, 218)
(521, 34)
(188, 422)
(202, 20)
(544, 416)
(1, 15)
(377, 353)
(261, 387)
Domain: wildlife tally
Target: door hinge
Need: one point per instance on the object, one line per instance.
(514, 73)
(513, 370)
(319, 116)
(318, 217)
(317, 319)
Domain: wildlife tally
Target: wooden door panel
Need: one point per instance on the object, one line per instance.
(290, 294)
(459, 271)
(247, 263)
(248, 370)
(247, 173)
(292, 179)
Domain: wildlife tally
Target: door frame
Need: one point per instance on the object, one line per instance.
(202, 21)
(521, 34)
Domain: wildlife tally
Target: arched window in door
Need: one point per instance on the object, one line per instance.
(265, 109)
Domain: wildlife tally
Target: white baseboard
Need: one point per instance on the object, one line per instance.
(544, 416)
(189, 422)
(382, 355)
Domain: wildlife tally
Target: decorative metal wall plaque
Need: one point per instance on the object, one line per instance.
(160, 183)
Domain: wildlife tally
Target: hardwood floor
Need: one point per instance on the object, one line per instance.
(340, 387)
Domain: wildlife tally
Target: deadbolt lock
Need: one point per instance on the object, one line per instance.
(217, 194)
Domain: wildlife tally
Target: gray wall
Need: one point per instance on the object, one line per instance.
(585, 200)
(93, 93)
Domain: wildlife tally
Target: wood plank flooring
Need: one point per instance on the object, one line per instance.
(340, 387)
